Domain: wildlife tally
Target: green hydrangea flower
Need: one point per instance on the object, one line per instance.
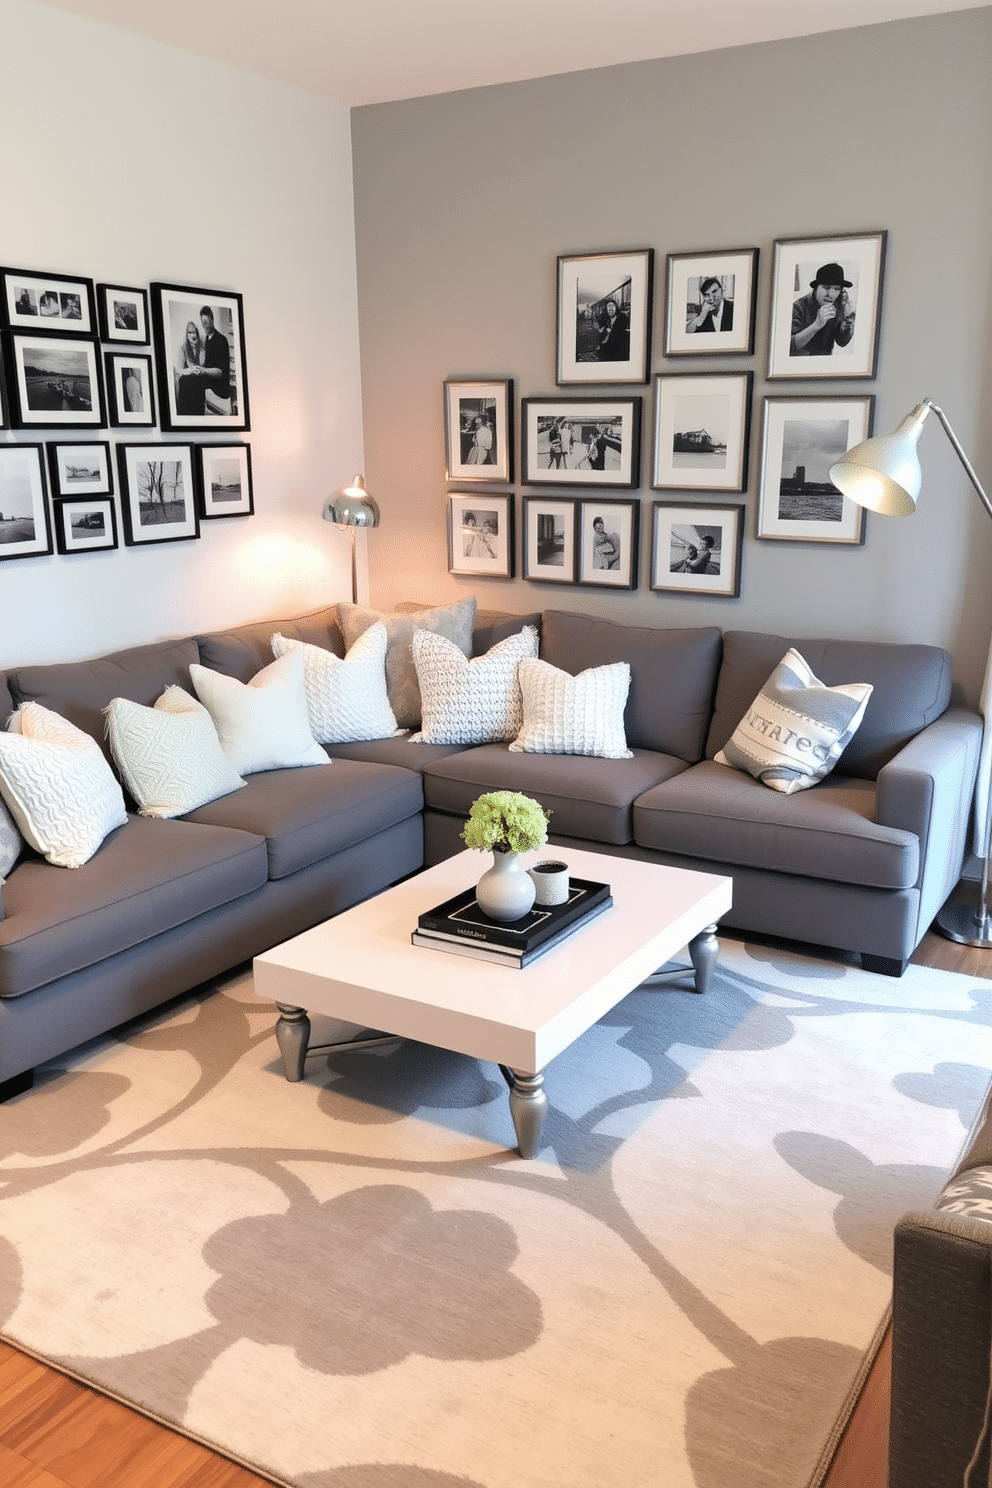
(506, 821)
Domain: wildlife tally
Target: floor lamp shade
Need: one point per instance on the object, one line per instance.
(352, 506)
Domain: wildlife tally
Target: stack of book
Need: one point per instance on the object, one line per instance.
(460, 926)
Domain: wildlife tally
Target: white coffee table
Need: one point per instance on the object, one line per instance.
(361, 967)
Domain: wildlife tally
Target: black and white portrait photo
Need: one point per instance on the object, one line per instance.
(697, 550)
(826, 299)
(200, 357)
(608, 556)
(62, 304)
(581, 441)
(480, 534)
(803, 437)
(128, 376)
(478, 427)
(604, 312)
(123, 313)
(710, 302)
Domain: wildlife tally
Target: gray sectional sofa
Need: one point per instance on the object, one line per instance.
(861, 862)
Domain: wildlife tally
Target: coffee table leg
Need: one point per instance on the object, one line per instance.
(528, 1104)
(703, 952)
(293, 1037)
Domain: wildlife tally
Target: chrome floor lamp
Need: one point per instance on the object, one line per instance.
(884, 475)
(352, 507)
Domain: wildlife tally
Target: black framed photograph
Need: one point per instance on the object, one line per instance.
(480, 534)
(158, 493)
(199, 338)
(549, 539)
(85, 524)
(478, 430)
(826, 306)
(697, 549)
(710, 302)
(702, 431)
(55, 304)
(803, 437)
(604, 305)
(581, 441)
(130, 390)
(24, 529)
(608, 533)
(80, 469)
(54, 382)
(122, 313)
(225, 488)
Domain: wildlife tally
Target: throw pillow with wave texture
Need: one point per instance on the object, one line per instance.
(470, 702)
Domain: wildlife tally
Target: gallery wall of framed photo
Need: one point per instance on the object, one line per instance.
(81, 358)
(824, 301)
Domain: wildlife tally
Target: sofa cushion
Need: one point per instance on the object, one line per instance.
(169, 756)
(672, 675)
(588, 797)
(244, 650)
(713, 813)
(6, 701)
(308, 815)
(262, 724)
(346, 696)
(911, 687)
(467, 701)
(398, 751)
(148, 877)
(563, 714)
(454, 621)
(493, 626)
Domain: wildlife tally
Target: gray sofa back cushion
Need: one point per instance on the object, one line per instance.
(246, 649)
(912, 687)
(6, 701)
(672, 675)
(493, 626)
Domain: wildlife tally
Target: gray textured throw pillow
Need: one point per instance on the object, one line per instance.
(455, 622)
(11, 842)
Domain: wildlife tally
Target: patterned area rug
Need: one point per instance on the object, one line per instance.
(354, 1283)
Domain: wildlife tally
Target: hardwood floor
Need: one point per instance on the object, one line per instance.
(55, 1433)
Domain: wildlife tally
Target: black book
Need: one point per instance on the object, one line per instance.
(502, 955)
(461, 918)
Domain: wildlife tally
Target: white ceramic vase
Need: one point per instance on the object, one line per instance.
(506, 890)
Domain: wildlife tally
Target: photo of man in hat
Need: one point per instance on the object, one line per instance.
(824, 318)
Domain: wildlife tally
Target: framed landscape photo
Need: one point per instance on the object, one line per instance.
(123, 314)
(158, 493)
(582, 441)
(603, 320)
(608, 533)
(80, 469)
(803, 437)
(710, 302)
(130, 391)
(54, 383)
(697, 549)
(702, 430)
(199, 338)
(85, 524)
(478, 431)
(826, 306)
(550, 530)
(225, 488)
(480, 534)
(59, 304)
(24, 529)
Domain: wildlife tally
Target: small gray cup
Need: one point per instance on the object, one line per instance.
(550, 882)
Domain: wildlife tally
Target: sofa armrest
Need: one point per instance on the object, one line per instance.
(927, 789)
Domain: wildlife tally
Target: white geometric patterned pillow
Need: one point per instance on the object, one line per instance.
(796, 729)
(60, 789)
(969, 1194)
(470, 702)
(346, 697)
(169, 755)
(262, 724)
(573, 715)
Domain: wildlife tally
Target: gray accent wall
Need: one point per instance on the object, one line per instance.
(464, 200)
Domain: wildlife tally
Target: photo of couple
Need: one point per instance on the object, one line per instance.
(199, 351)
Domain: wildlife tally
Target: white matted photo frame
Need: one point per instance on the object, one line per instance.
(42, 303)
(82, 469)
(130, 389)
(199, 337)
(225, 488)
(158, 493)
(480, 534)
(54, 382)
(85, 524)
(549, 539)
(608, 546)
(478, 430)
(826, 306)
(581, 441)
(604, 311)
(802, 438)
(702, 431)
(123, 314)
(710, 302)
(697, 549)
(24, 527)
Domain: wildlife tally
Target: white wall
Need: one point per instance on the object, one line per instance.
(127, 161)
(464, 201)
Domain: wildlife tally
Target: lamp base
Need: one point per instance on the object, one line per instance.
(963, 923)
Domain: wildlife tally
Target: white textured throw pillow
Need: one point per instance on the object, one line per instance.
(346, 698)
(796, 729)
(573, 715)
(470, 702)
(262, 724)
(169, 755)
(11, 841)
(60, 789)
